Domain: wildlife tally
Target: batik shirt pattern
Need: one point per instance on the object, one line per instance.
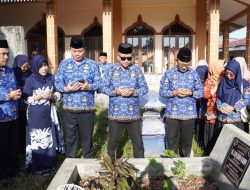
(69, 71)
(8, 108)
(235, 116)
(177, 107)
(124, 108)
(104, 67)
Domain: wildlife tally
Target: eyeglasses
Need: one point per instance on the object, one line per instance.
(34, 54)
(124, 58)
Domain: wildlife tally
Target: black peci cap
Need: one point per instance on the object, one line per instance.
(184, 54)
(125, 48)
(76, 42)
(4, 44)
(103, 54)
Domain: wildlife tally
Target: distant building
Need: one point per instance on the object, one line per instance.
(155, 28)
(236, 48)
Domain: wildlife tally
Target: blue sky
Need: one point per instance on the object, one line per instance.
(238, 34)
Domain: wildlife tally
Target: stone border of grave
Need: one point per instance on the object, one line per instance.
(72, 168)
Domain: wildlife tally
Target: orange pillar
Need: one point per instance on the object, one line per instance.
(52, 39)
(248, 39)
(107, 28)
(213, 30)
(201, 29)
(226, 42)
(116, 26)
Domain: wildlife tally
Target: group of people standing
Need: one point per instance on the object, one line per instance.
(225, 101)
(28, 118)
(34, 91)
(207, 98)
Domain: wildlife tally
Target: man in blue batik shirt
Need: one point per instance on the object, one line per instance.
(77, 79)
(124, 82)
(103, 64)
(182, 86)
(9, 136)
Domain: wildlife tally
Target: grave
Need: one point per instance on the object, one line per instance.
(228, 163)
(153, 128)
(71, 169)
(153, 134)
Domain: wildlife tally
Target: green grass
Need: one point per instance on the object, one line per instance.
(38, 182)
(198, 151)
(33, 181)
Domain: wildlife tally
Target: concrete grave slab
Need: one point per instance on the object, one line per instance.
(219, 153)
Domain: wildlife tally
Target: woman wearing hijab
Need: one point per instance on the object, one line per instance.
(22, 72)
(215, 73)
(245, 73)
(232, 96)
(202, 70)
(43, 135)
(21, 68)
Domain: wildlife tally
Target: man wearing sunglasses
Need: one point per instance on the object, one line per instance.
(124, 82)
(182, 86)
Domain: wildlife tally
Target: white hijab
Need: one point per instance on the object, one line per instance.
(243, 66)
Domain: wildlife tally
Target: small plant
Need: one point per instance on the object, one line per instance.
(170, 153)
(179, 169)
(155, 165)
(121, 174)
(167, 184)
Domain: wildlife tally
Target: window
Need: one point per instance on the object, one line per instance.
(37, 40)
(142, 39)
(175, 36)
(93, 42)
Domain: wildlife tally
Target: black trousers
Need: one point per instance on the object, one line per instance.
(78, 125)
(179, 135)
(22, 123)
(134, 132)
(9, 148)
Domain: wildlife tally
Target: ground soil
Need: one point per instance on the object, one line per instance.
(155, 183)
(197, 183)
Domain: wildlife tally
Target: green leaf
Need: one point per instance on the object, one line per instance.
(179, 169)
(111, 185)
(167, 184)
(122, 184)
(170, 153)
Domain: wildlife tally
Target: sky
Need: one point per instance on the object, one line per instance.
(238, 34)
